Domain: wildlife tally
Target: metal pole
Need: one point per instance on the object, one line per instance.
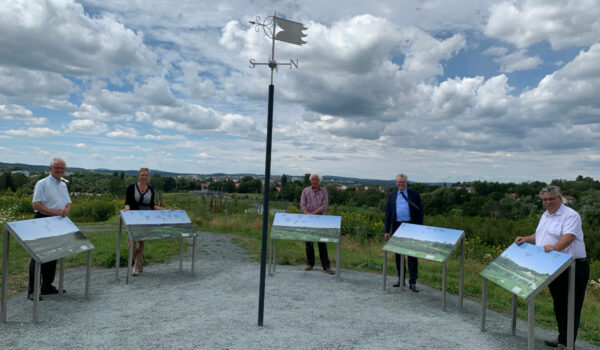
(571, 309)
(194, 255)
(271, 257)
(61, 276)
(531, 319)
(181, 254)
(384, 268)
(129, 259)
(444, 270)
(88, 269)
(462, 272)
(483, 303)
(36, 292)
(263, 253)
(402, 272)
(274, 255)
(118, 253)
(338, 263)
(513, 328)
(4, 276)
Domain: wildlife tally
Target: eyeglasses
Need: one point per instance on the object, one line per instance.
(549, 199)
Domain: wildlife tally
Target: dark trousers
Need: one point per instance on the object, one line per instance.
(413, 263)
(310, 255)
(559, 289)
(47, 271)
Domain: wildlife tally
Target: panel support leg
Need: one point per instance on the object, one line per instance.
(88, 271)
(513, 327)
(444, 271)
(118, 252)
(4, 276)
(36, 292)
(384, 269)
(531, 320)
(61, 276)
(461, 283)
(338, 264)
(483, 303)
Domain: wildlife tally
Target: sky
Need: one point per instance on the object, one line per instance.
(443, 91)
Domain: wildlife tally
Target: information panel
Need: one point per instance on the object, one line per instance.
(427, 242)
(50, 238)
(145, 225)
(308, 228)
(525, 269)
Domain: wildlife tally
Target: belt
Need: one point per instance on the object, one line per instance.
(580, 260)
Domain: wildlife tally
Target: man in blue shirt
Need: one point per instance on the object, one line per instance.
(50, 198)
(404, 206)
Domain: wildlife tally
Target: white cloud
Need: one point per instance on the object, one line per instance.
(50, 90)
(22, 114)
(516, 61)
(32, 132)
(58, 36)
(562, 23)
(80, 145)
(123, 132)
(86, 127)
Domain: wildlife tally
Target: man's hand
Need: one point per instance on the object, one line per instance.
(549, 248)
(387, 236)
(520, 240)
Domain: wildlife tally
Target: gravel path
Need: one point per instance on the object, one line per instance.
(217, 308)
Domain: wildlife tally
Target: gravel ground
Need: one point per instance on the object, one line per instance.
(217, 308)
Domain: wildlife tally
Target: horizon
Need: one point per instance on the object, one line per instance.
(444, 91)
(289, 175)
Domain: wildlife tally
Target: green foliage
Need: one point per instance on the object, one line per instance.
(94, 210)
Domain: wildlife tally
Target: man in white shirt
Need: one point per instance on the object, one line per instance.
(559, 229)
(50, 198)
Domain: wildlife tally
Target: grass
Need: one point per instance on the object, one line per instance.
(103, 255)
(361, 255)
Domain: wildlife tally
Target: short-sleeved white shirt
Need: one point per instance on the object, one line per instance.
(553, 226)
(52, 193)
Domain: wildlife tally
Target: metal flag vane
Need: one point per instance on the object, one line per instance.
(290, 32)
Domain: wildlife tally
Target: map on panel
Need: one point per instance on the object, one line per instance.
(308, 228)
(427, 242)
(145, 225)
(525, 269)
(50, 238)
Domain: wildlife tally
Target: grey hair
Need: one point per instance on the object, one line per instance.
(550, 189)
(317, 175)
(57, 160)
(402, 175)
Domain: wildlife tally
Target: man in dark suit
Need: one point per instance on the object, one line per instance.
(403, 206)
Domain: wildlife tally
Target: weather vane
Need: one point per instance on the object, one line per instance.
(289, 32)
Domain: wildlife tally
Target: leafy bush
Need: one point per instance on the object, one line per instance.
(94, 210)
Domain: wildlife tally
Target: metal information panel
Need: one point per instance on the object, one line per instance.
(45, 239)
(525, 270)
(430, 243)
(146, 225)
(306, 228)
(49, 239)
(427, 242)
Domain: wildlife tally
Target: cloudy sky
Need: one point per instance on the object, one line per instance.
(448, 90)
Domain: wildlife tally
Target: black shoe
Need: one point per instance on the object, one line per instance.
(30, 297)
(397, 284)
(46, 290)
(551, 342)
(413, 287)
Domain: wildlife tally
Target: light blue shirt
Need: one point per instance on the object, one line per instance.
(402, 210)
(52, 193)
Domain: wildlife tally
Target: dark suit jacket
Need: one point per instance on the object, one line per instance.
(416, 215)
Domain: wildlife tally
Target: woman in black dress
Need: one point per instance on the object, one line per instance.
(140, 196)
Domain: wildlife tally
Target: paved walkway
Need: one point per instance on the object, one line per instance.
(217, 309)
